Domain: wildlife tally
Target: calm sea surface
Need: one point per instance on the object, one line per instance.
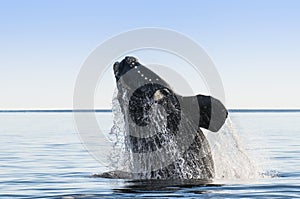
(41, 156)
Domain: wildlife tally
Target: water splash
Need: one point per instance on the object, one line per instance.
(118, 156)
(232, 160)
(170, 157)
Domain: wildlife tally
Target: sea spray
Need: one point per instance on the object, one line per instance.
(119, 156)
(122, 158)
(232, 160)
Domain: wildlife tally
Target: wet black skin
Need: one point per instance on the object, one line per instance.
(205, 103)
(138, 103)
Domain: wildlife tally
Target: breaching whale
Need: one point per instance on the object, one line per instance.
(175, 126)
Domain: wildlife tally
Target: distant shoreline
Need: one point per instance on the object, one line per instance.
(109, 110)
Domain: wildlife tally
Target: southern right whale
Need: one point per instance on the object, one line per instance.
(139, 90)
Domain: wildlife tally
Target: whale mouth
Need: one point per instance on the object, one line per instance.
(120, 68)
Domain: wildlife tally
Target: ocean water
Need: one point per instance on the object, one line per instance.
(41, 156)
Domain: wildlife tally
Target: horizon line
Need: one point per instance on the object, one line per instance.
(233, 110)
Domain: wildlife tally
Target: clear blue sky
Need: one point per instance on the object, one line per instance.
(254, 44)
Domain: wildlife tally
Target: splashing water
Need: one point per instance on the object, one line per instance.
(122, 158)
(119, 156)
(231, 159)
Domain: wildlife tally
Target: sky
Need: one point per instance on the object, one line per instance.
(255, 46)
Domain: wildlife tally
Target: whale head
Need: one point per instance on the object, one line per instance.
(135, 81)
(127, 64)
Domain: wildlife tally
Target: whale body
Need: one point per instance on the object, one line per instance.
(140, 91)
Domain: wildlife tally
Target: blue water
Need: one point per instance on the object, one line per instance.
(41, 156)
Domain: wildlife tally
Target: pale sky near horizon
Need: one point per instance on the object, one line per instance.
(255, 46)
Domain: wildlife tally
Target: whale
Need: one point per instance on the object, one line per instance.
(157, 119)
